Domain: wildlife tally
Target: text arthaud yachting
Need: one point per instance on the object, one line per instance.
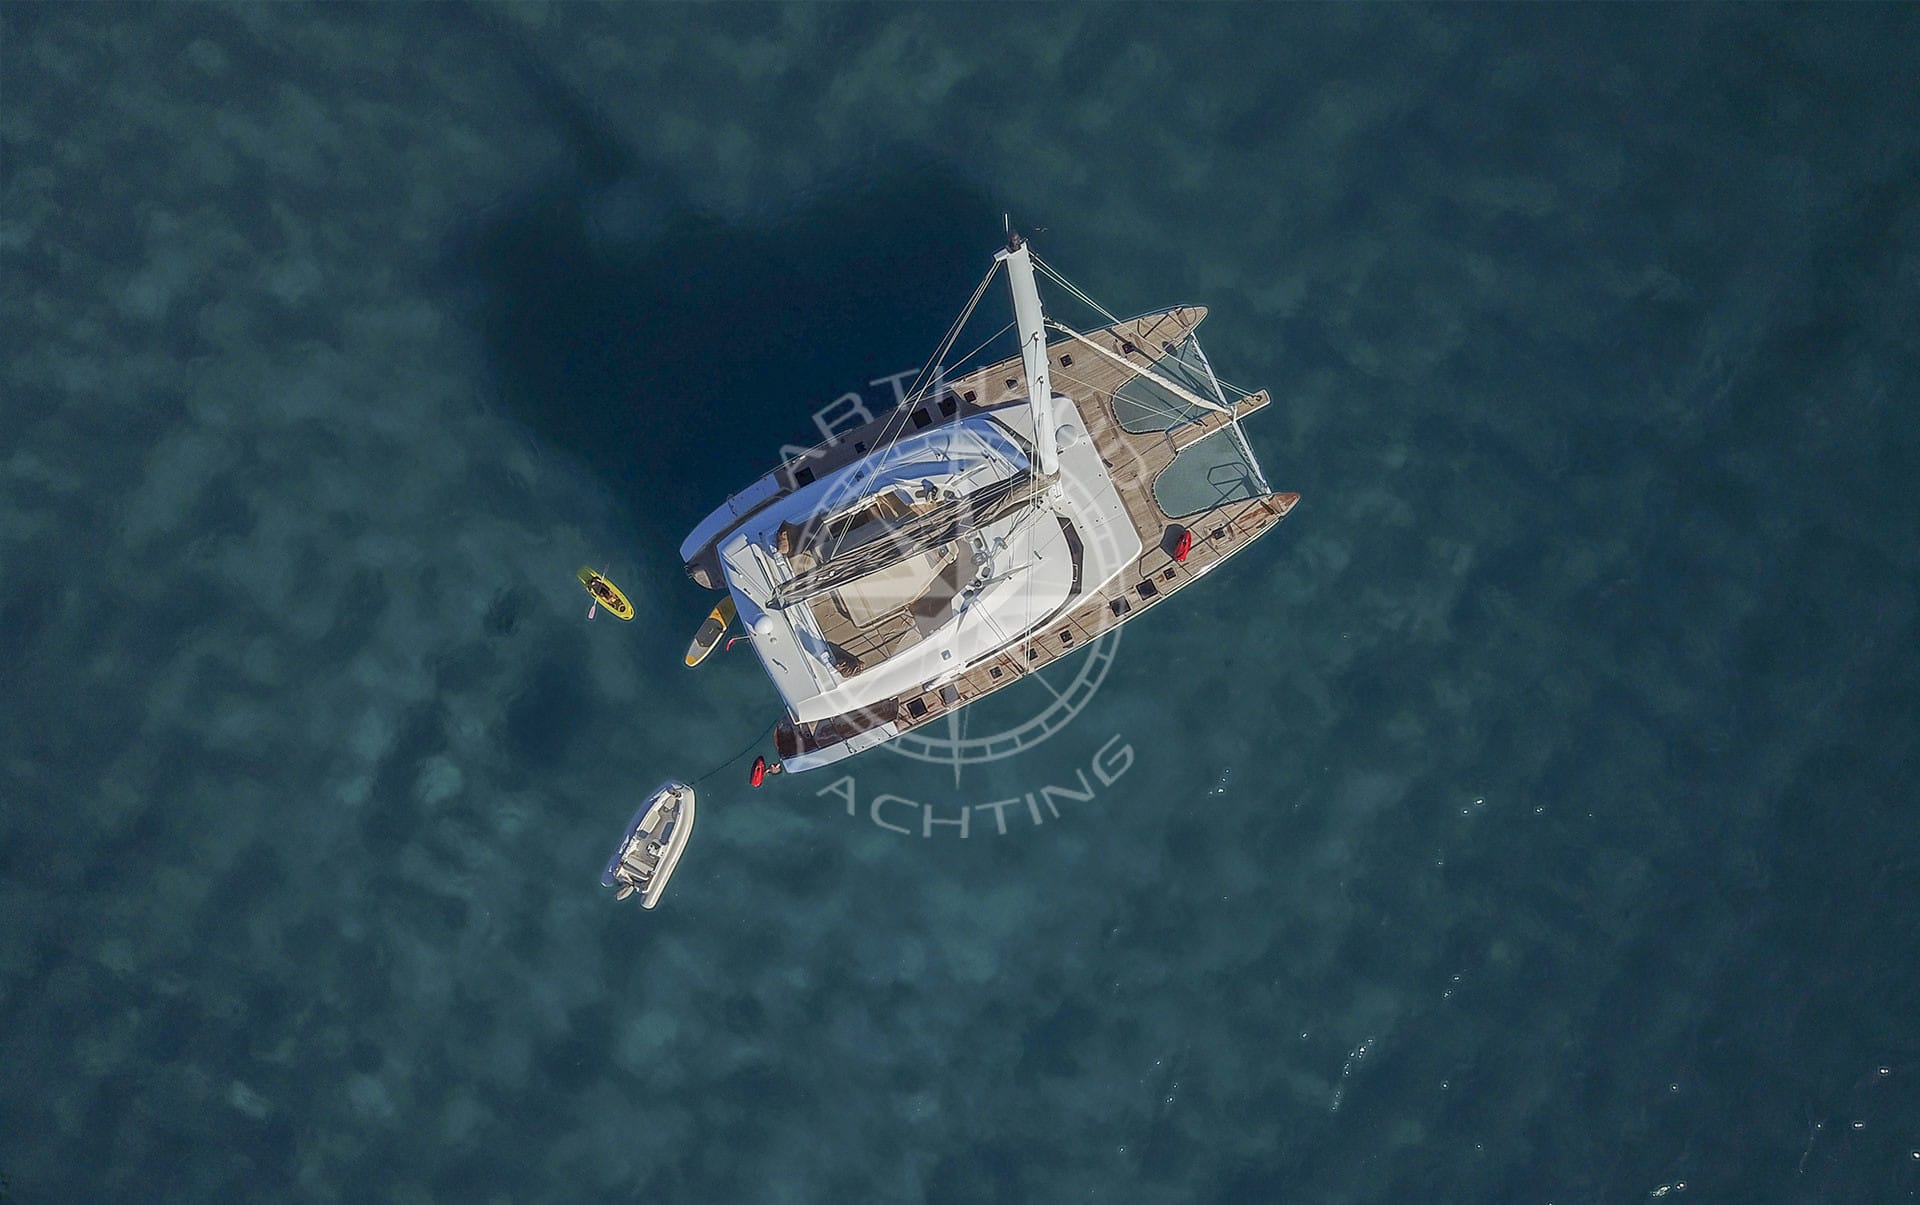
(902, 815)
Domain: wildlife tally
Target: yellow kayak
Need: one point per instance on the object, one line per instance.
(605, 593)
(711, 631)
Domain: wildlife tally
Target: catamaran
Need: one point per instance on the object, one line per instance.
(991, 524)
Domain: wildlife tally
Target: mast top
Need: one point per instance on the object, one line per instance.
(1031, 321)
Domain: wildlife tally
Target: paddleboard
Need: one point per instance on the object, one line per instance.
(711, 631)
(605, 593)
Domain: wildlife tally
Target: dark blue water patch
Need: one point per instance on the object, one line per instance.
(133, 1127)
(979, 1172)
(1243, 1181)
(424, 913)
(1048, 1045)
(393, 814)
(777, 1083)
(360, 969)
(253, 880)
(267, 1153)
(571, 1062)
(355, 616)
(170, 1026)
(524, 936)
(541, 722)
(599, 154)
(504, 612)
(382, 1153)
(470, 1016)
(1168, 1153)
(476, 1177)
(690, 360)
(1841, 873)
(466, 667)
(1660, 538)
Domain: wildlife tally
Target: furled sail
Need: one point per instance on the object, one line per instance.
(943, 523)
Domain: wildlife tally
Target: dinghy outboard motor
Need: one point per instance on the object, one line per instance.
(645, 858)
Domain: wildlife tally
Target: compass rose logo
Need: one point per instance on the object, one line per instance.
(1078, 678)
(1059, 691)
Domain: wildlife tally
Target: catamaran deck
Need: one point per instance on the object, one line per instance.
(1134, 462)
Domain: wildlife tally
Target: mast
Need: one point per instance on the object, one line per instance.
(1033, 351)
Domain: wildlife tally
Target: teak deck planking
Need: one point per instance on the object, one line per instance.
(1133, 462)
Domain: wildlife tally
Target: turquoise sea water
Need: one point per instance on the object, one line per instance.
(1530, 818)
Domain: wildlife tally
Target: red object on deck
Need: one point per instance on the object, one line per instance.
(1185, 546)
(759, 774)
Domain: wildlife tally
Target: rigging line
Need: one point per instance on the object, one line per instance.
(896, 422)
(1181, 420)
(736, 757)
(1026, 637)
(1208, 365)
(1253, 462)
(986, 616)
(1147, 403)
(1041, 678)
(1225, 384)
(1191, 336)
(922, 380)
(1239, 436)
(953, 332)
(1024, 668)
(1005, 640)
(1177, 390)
(1220, 388)
(1105, 313)
(1152, 373)
(1074, 289)
(963, 359)
(943, 523)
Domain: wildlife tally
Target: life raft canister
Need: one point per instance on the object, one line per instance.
(1185, 545)
(759, 774)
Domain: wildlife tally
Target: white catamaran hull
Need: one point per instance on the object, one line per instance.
(873, 613)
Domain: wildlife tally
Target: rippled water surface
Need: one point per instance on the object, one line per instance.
(1531, 817)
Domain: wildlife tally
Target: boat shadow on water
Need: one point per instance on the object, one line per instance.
(674, 365)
